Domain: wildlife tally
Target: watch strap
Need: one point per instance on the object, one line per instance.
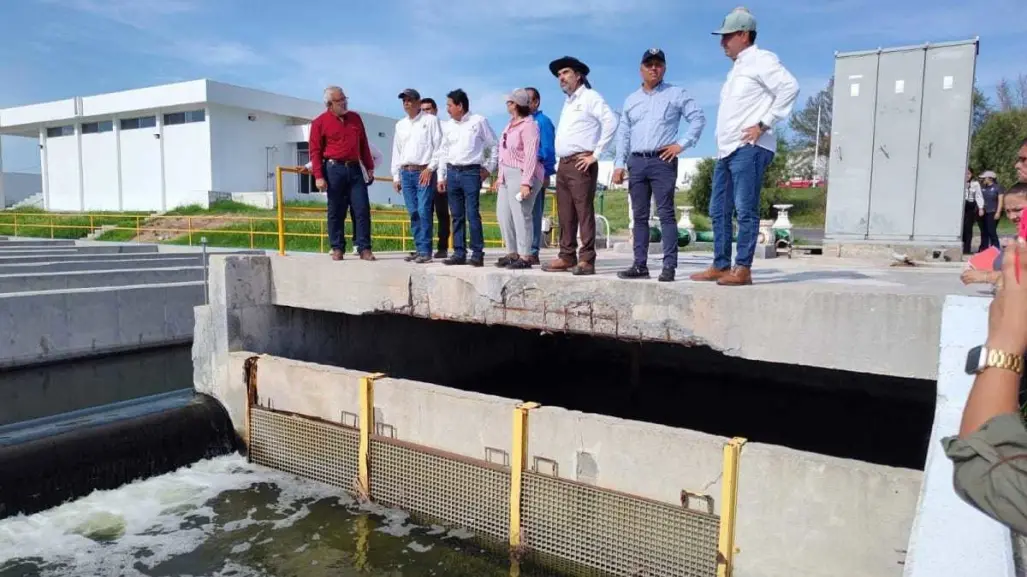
(998, 359)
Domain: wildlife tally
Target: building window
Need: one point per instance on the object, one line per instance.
(57, 131)
(95, 127)
(303, 146)
(141, 122)
(184, 117)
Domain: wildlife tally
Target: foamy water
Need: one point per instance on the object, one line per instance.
(228, 518)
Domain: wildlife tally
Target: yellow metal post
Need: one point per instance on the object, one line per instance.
(518, 460)
(728, 507)
(366, 428)
(280, 205)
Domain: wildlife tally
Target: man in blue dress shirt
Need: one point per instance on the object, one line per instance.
(547, 156)
(647, 144)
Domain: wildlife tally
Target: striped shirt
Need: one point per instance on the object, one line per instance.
(518, 148)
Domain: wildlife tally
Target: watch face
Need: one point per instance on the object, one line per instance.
(974, 360)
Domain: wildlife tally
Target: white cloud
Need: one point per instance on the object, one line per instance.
(140, 14)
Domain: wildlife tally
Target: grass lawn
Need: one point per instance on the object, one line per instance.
(237, 225)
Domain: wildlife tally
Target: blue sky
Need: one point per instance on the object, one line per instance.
(53, 49)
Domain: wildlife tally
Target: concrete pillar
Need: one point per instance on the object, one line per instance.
(117, 151)
(81, 171)
(44, 168)
(163, 178)
(3, 196)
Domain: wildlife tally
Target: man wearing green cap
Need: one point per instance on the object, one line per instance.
(758, 93)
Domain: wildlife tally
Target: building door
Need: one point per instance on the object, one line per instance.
(302, 158)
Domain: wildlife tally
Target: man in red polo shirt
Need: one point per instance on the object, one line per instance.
(338, 148)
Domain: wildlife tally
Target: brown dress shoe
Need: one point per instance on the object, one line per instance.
(709, 275)
(583, 269)
(533, 259)
(740, 275)
(558, 265)
(366, 254)
(337, 254)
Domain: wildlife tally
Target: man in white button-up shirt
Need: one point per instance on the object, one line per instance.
(415, 150)
(586, 127)
(469, 154)
(758, 93)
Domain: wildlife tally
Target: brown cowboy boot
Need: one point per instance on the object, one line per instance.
(366, 254)
(740, 275)
(559, 264)
(709, 275)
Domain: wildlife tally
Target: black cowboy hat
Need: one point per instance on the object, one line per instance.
(568, 62)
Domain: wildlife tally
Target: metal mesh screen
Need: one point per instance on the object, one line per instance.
(306, 447)
(441, 488)
(615, 533)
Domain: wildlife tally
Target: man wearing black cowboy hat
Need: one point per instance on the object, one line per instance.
(586, 128)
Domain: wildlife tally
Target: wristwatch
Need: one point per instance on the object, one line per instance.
(763, 127)
(981, 357)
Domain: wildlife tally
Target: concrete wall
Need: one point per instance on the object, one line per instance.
(18, 186)
(62, 173)
(238, 152)
(949, 536)
(100, 277)
(799, 513)
(187, 162)
(140, 167)
(100, 171)
(45, 326)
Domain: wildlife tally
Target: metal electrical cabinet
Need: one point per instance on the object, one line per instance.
(899, 143)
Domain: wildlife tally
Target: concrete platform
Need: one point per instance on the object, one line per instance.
(856, 315)
(48, 281)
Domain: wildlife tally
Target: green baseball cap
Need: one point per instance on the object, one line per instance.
(739, 20)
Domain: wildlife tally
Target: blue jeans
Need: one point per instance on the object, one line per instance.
(652, 179)
(737, 179)
(463, 187)
(347, 189)
(536, 217)
(418, 200)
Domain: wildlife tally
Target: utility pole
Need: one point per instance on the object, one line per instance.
(816, 148)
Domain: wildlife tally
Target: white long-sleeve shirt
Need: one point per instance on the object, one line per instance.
(758, 88)
(466, 142)
(417, 141)
(587, 123)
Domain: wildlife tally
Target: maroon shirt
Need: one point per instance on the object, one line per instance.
(343, 140)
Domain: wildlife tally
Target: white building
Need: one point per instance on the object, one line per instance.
(157, 148)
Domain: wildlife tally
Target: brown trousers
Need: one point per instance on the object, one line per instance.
(575, 205)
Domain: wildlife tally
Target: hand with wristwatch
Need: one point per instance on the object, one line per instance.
(1007, 319)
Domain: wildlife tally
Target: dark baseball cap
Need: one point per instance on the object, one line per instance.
(409, 94)
(654, 54)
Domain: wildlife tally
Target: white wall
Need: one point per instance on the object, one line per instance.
(18, 186)
(62, 173)
(100, 171)
(238, 152)
(140, 169)
(187, 163)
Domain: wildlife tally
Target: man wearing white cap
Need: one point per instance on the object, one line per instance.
(758, 93)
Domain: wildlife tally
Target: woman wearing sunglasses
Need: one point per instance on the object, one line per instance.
(520, 179)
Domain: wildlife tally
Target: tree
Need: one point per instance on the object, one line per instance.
(803, 125)
(1012, 95)
(995, 145)
(981, 110)
(702, 185)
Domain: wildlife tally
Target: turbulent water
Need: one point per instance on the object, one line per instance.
(227, 518)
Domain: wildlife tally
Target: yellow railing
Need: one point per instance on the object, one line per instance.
(260, 229)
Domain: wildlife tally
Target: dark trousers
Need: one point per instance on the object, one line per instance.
(575, 206)
(989, 231)
(652, 179)
(346, 190)
(970, 218)
(463, 187)
(442, 215)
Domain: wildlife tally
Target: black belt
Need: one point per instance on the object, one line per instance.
(339, 161)
(464, 166)
(651, 154)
